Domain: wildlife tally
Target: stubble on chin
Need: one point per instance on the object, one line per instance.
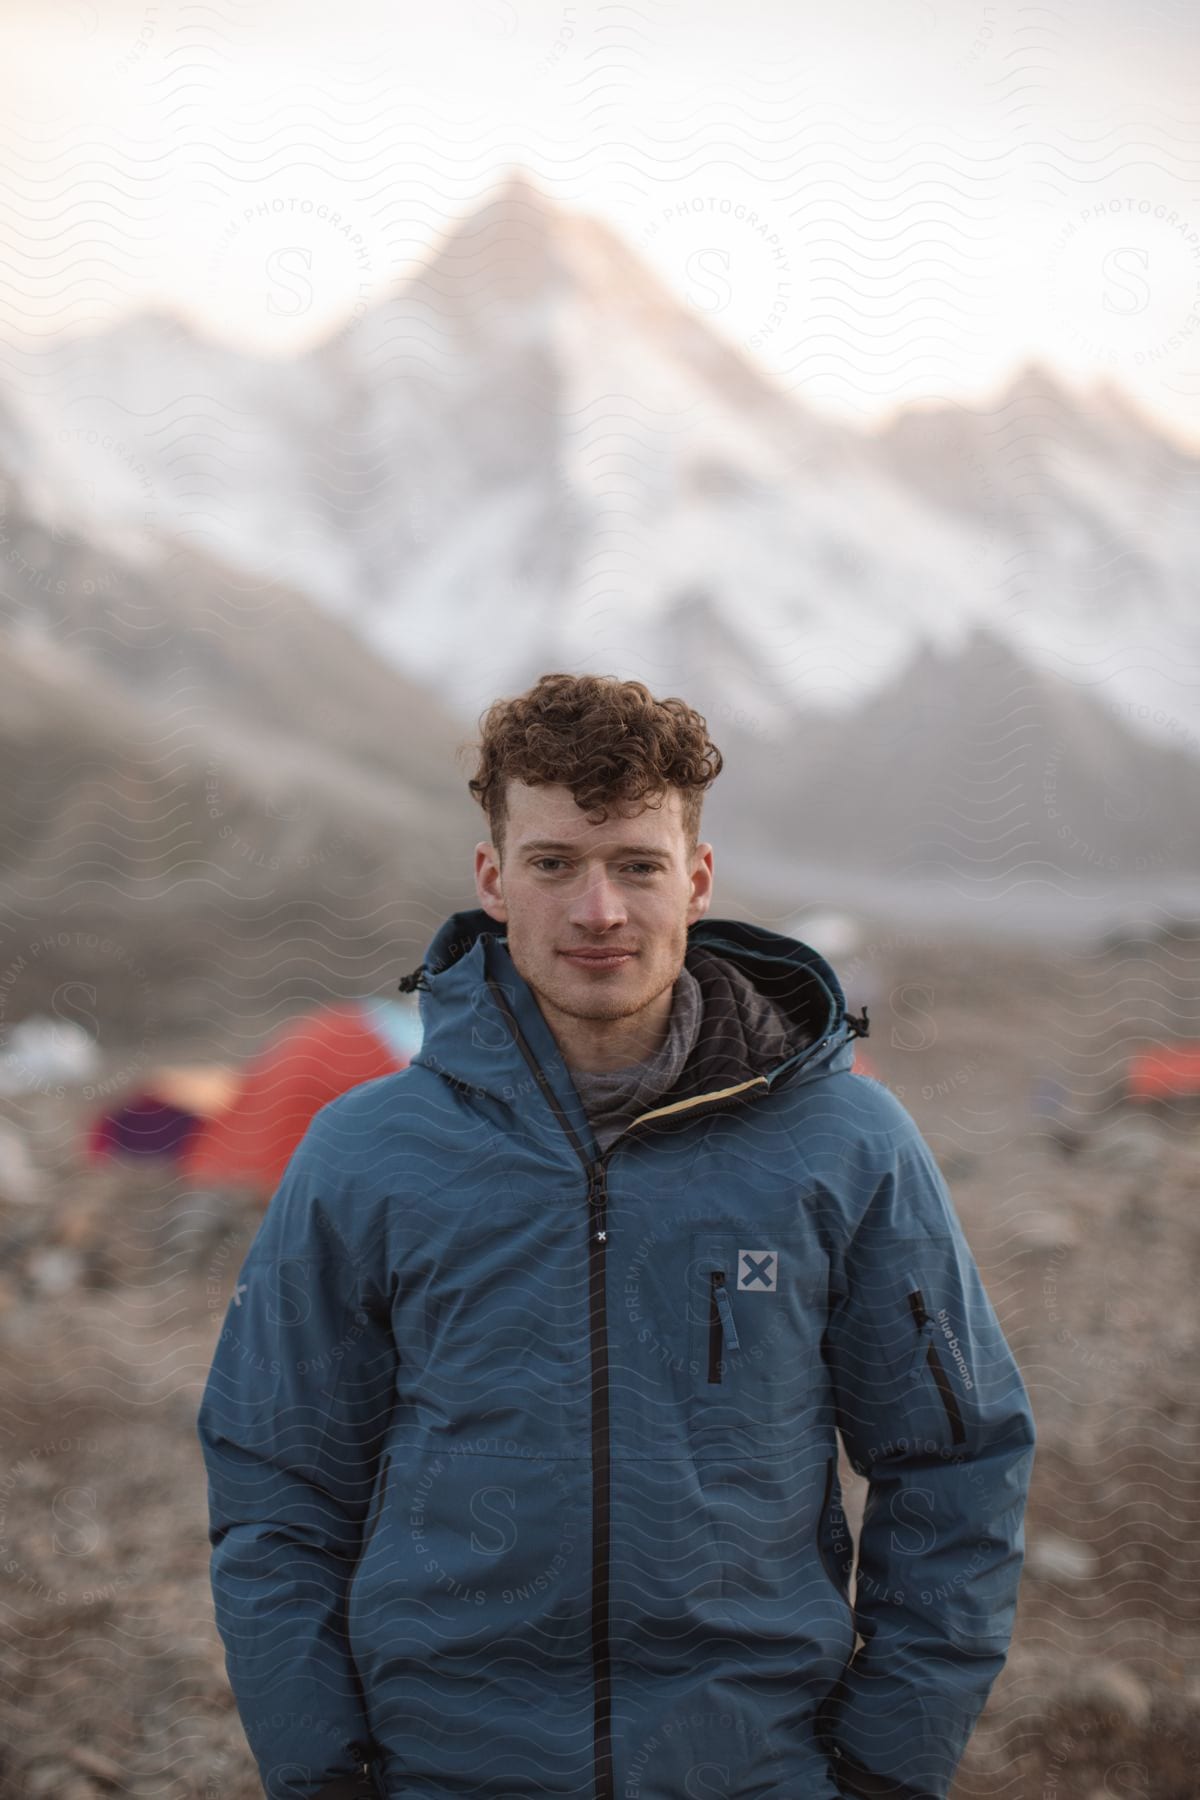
(566, 998)
(572, 1005)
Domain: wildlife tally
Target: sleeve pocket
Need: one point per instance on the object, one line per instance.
(926, 1361)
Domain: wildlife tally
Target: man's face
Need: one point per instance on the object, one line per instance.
(568, 887)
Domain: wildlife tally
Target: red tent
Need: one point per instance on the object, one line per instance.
(304, 1064)
(1170, 1072)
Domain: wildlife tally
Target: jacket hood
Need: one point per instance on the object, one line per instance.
(774, 1014)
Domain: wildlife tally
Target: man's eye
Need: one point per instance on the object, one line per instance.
(649, 867)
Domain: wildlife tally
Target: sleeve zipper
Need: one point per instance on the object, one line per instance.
(925, 1356)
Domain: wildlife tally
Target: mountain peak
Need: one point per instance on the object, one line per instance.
(155, 326)
(524, 273)
(976, 656)
(514, 238)
(1035, 384)
(1101, 419)
(519, 197)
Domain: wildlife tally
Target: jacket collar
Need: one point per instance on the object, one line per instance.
(774, 1014)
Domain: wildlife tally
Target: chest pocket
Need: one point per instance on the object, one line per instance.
(756, 1313)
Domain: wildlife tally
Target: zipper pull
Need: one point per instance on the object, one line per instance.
(596, 1198)
(924, 1324)
(725, 1308)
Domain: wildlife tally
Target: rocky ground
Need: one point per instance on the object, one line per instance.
(111, 1672)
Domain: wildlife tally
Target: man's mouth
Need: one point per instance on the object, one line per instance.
(598, 959)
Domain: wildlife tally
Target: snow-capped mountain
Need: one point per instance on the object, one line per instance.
(977, 769)
(533, 455)
(170, 734)
(1084, 531)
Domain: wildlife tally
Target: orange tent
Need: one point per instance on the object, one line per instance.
(305, 1063)
(1170, 1072)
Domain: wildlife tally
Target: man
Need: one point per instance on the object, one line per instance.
(522, 1432)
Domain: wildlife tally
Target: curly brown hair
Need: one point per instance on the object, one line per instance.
(606, 739)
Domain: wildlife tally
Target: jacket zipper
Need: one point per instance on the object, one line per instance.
(601, 1502)
(597, 1204)
(945, 1387)
(597, 1199)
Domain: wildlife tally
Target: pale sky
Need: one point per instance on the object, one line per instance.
(882, 201)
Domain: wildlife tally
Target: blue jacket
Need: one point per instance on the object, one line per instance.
(523, 1459)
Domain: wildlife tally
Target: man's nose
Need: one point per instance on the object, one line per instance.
(599, 903)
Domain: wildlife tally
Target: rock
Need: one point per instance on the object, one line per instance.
(80, 1224)
(1104, 1687)
(20, 1183)
(41, 1049)
(1129, 1144)
(45, 1780)
(196, 1222)
(1054, 1557)
(1048, 1229)
(55, 1271)
(92, 1763)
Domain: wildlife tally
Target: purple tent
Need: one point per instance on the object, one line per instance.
(142, 1127)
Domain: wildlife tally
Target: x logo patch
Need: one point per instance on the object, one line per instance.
(758, 1269)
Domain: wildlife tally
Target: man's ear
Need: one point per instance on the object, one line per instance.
(489, 884)
(702, 883)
